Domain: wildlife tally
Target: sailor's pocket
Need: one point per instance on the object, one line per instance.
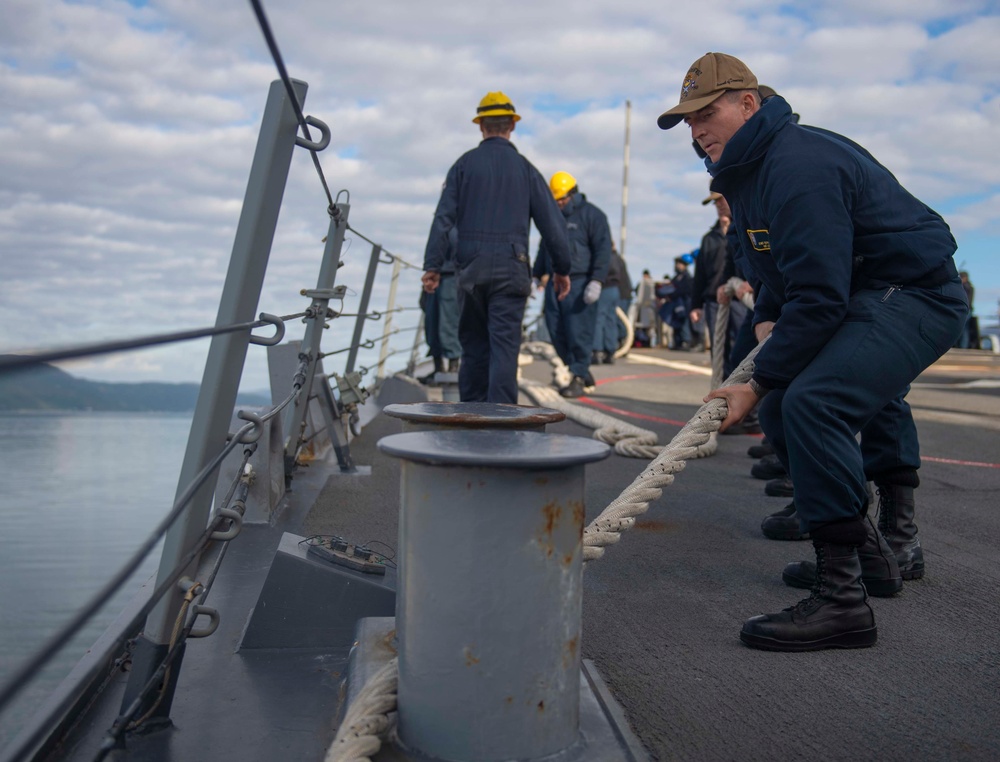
(520, 272)
(944, 318)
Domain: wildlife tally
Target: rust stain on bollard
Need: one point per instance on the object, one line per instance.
(569, 652)
(552, 513)
(470, 660)
(579, 514)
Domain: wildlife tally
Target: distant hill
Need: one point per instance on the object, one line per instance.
(48, 388)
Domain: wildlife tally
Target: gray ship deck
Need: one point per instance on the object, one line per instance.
(663, 608)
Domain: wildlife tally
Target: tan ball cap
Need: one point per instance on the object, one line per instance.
(708, 78)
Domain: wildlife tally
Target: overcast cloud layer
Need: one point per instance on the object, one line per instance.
(128, 129)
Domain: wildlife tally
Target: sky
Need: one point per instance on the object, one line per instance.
(127, 131)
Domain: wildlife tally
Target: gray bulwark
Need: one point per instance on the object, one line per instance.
(489, 602)
(420, 416)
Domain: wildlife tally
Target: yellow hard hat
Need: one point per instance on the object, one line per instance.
(495, 104)
(562, 184)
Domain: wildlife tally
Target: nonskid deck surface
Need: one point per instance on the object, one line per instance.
(663, 608)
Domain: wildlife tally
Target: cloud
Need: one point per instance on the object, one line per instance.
(129, 133)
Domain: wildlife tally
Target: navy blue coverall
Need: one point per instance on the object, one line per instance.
(710, 273)
(491, 195)
(572, 321)
(859, 279)
(441, 309)
(609, 330)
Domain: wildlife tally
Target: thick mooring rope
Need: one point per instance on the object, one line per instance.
(690, 442)
(367, 723)
(628, 439)
(722, 328)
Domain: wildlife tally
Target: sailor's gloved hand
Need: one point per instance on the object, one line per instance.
(592, 292)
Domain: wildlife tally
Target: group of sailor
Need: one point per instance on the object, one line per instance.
(856, 293)
(490, 197)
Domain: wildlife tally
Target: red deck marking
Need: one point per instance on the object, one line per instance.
(635, 376)
(642, 416)
(975, 463)
(629, 413)
(657, 419)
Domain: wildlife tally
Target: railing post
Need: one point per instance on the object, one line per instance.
(411, 366)
(220, 383)
(296, 416)
(359, 324)
(391, 305)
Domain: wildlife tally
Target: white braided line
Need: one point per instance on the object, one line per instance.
(648, 486)
(722, 327)
(367, 721)
(627, 439)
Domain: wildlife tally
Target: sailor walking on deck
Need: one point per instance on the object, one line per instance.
(491, 194)
(571, 322)
(441, 316)
(859, 294)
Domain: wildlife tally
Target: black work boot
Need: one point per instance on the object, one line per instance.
(836, 614)
(783, 525)
(768, 467)
(879, 570)
(438, 368)
(780, 487)
(575, 389)
(895, 522)
(760, 450)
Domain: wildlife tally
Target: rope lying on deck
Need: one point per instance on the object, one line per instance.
(367, 723)
(628, 439)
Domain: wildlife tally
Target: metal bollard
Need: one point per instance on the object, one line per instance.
(424, 416)
(489, 599)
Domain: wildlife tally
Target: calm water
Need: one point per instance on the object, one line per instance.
(79, 492)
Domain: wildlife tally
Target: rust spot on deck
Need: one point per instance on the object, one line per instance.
(541, 481)
(655, 525)
(509, 700)
(470, 659)
(541, 706)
